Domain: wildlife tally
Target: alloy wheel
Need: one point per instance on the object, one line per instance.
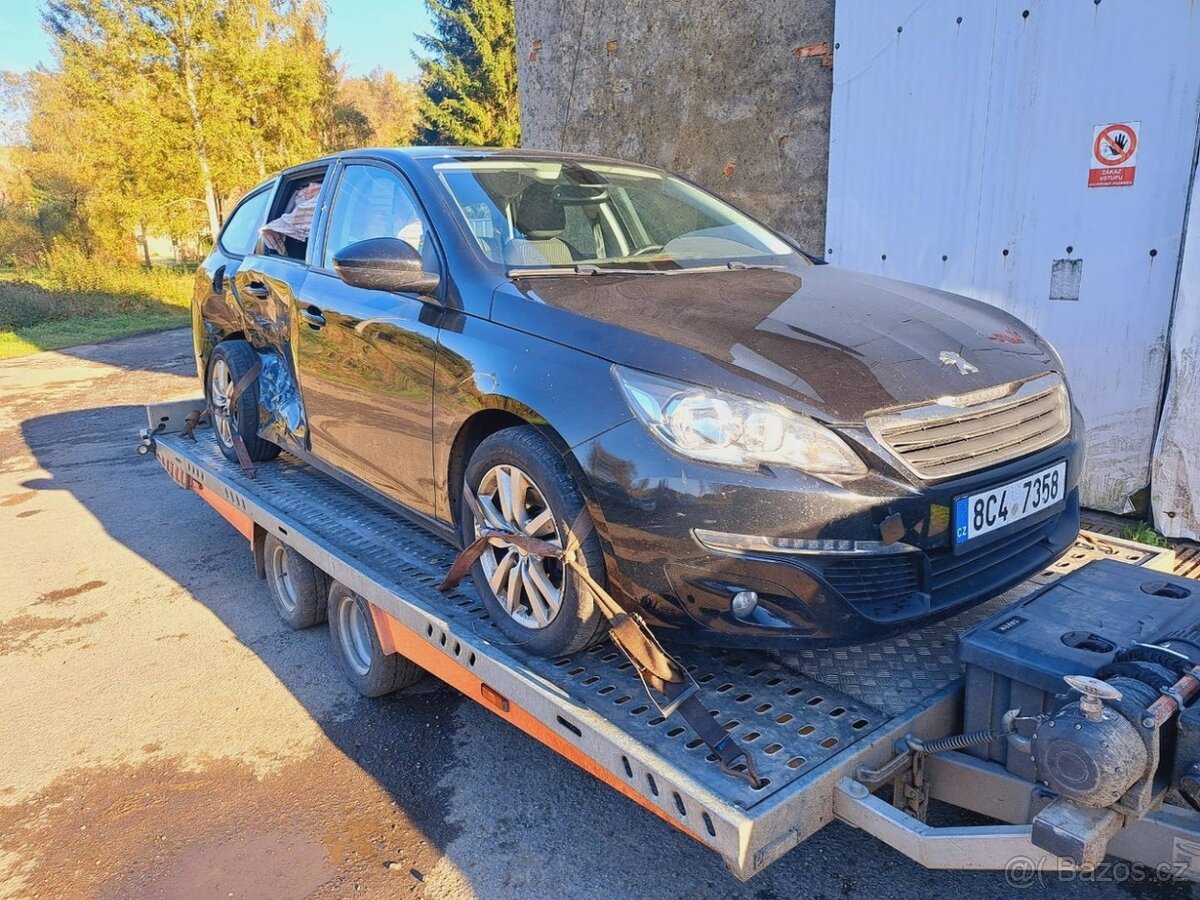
(220, 386)
(529, 589)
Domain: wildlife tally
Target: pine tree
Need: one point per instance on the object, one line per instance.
(470, 77)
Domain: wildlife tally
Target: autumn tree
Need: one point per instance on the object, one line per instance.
(192, 100)
(376, 110)
(470, 76)
(159, 114)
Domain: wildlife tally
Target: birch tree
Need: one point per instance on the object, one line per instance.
(193, 100)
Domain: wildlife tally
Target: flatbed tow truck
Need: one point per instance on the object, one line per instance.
(830, 730)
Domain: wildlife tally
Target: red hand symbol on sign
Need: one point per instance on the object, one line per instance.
(1115, 144)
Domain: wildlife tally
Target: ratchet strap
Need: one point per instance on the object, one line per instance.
(196, 416)
(191, 422)
(662, 676)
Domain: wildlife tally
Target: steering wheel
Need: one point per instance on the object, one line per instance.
(650, 248)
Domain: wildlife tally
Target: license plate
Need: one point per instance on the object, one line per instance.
(978, 514)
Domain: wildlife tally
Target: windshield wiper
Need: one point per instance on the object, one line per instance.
(588, 269)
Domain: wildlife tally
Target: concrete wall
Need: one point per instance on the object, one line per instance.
(734, 96)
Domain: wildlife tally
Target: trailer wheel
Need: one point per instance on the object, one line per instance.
(369, 670)
(298, 588)
(230, 361)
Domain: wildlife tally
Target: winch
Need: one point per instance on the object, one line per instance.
(1085, 691)
(1090, 751)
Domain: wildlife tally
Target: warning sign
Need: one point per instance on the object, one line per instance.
(1114, 154)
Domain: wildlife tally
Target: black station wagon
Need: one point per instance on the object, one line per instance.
(758, 449)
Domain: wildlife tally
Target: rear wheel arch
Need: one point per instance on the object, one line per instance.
(216, 340)
(240, 418)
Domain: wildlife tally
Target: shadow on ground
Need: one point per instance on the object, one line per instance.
(403, 742)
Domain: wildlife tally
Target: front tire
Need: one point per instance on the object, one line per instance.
(521, 482)
(230, 361)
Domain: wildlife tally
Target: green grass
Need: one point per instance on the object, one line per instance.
(79, 303)
(1144, 533)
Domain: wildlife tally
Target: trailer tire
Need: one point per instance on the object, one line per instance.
(578, 621)
(369, 670)
(298, 589)
(230, 361)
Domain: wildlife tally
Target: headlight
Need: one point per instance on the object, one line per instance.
(722, 428)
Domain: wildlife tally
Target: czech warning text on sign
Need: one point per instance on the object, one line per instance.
(1114, 154)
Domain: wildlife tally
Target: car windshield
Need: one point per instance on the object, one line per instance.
(569, 215)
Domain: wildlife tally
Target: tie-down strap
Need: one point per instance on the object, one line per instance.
(196, 416)
(661, 674)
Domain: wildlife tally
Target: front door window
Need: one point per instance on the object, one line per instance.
(372, 202)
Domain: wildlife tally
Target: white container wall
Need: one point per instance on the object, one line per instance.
(964, 139)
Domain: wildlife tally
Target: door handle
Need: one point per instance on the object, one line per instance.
(256, 289)
(313, 317)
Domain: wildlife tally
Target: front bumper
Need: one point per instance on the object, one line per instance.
(649, 503)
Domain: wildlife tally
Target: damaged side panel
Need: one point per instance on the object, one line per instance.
(248, 287)
(281, 417)
(267, 288)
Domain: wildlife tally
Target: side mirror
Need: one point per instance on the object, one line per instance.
(384, 264)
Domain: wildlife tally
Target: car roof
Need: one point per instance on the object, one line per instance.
(467, 153)
(401, 155)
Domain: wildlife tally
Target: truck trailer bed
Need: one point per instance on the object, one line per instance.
(808, 722)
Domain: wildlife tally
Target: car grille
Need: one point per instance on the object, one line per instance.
(896, 586)
(957, 435)
(953, 577)
(880, 586)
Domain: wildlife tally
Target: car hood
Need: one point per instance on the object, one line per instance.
(835, 343)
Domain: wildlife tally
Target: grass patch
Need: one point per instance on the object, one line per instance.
(73, 332)
(51, 309)
(1144, 533)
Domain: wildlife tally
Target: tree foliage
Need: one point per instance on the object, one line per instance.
(159, 114)
(377, 110)
(231, 88)
(470, 77)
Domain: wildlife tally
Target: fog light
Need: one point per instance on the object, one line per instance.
(743, 603)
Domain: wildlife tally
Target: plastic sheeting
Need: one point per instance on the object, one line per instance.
(959, 158)
(296, 222)
(1175, 484)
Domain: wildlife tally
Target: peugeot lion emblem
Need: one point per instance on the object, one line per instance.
(950, 358)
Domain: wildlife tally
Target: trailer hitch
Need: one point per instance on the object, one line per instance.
(906, 770)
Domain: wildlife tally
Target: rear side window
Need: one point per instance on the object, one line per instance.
(287, 232)
(240, 236)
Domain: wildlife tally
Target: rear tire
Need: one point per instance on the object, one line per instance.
(522, 452)
(298, 588)
(229, 362)
(369, 670)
